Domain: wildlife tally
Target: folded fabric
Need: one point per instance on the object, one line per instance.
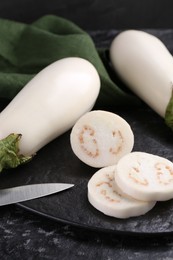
(25, 49)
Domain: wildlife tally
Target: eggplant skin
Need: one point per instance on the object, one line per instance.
(145, 65)
(49, 105)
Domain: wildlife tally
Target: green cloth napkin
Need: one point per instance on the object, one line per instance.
(25, 49)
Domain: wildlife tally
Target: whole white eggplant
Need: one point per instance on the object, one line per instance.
(45, 108)
(146, 66)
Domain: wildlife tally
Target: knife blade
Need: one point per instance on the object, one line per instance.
(30, 191)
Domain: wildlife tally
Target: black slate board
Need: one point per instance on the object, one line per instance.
(57, 163)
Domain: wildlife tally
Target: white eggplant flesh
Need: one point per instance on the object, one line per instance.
(145, 176)
(146, 66)
(100, 138)
(50, 103)
(105, 196)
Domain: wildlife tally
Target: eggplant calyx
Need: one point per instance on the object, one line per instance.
(10, 156)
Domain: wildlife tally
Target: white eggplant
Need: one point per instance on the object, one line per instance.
(145, 176)
(105, 196)
(146, 66)
(100, 138)
(46, 107)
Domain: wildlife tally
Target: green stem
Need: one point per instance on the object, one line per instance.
(169, 113)
(9, 152)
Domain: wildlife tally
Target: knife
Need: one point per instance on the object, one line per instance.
(29, 192)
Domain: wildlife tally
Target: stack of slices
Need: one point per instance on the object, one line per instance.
(128, 183)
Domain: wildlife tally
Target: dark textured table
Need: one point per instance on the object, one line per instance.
(25, 235)
(28, 236)
(94, 14)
